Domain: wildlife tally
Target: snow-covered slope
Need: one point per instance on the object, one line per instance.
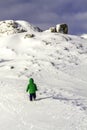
(58, 64)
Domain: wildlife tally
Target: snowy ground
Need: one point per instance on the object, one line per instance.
(58, 63)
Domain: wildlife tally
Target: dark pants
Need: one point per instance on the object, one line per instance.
(32, 96)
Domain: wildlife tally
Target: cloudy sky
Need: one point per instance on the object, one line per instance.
(47, 13)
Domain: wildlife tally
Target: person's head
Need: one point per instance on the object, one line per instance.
(31, 80)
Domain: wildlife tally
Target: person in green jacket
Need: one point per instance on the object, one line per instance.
(31, 88)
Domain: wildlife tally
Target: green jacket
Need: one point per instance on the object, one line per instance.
(31, 87)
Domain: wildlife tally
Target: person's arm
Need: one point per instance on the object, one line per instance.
(27, 88)
(36, 87)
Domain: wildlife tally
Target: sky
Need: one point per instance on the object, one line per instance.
(47, 13)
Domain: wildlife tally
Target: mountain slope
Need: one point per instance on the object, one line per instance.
(58, 63)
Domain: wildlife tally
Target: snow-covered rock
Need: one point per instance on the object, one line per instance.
(62, 28)
(11, 27)
(59, 28)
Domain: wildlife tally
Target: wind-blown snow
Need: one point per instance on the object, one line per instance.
(58, 64)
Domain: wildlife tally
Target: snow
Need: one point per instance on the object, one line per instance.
(58, 64)
(84, 36)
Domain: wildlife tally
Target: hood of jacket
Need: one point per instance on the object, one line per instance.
(31, 80)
